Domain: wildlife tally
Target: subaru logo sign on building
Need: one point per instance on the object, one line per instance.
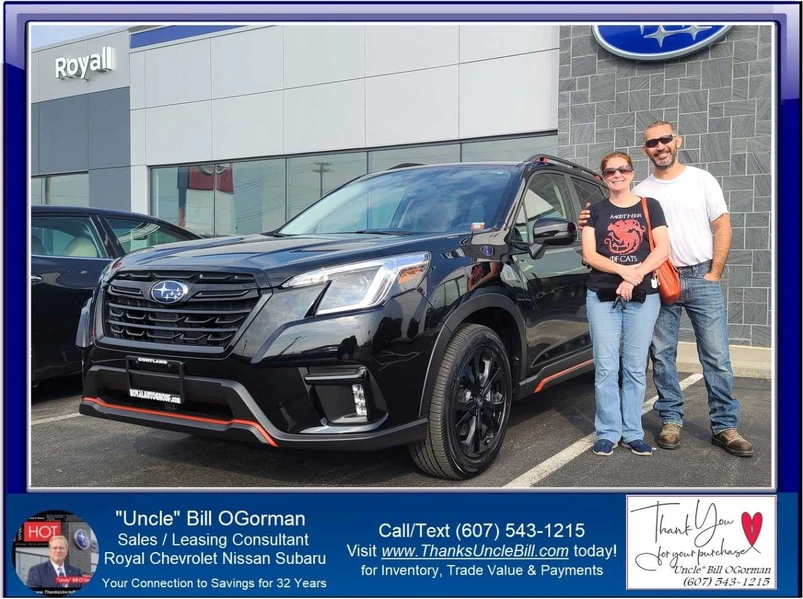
(81, 539)
(169, 292)
(657, 42)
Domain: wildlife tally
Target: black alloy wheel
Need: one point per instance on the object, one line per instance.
(469, 408)
(477, 406)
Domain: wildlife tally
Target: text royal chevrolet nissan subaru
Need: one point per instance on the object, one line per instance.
(409, 306)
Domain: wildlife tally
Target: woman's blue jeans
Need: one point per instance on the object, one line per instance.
(629, 325)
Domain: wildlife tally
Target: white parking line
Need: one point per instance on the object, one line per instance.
(53, 419)
(559, 460)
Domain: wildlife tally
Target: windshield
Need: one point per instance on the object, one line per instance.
(438, 199)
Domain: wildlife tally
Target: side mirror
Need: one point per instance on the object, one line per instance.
(548, 232)
(554, 231)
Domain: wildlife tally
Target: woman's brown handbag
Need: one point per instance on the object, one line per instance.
(667, 274)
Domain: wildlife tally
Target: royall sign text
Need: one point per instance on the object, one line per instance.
(84, 66)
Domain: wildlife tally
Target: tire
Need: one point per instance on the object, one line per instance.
(463, 402)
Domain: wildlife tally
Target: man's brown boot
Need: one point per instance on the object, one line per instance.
(731, 441)
(670, 436)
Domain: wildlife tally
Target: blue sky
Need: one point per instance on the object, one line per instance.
(44, 35)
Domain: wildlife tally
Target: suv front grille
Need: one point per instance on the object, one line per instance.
(216, 306)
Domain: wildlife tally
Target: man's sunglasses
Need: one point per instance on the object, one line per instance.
(625, 170)
(664, 139)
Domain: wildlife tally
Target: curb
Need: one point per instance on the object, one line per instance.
(746, 361)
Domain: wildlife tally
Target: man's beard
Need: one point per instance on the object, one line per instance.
(673, 155)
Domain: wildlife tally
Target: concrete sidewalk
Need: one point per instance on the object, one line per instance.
(753, 362)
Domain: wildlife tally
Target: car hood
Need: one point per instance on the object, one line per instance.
(273, 260)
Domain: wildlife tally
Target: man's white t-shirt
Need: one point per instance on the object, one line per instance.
(691, 201)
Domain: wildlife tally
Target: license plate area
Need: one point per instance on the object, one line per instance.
(155, 379)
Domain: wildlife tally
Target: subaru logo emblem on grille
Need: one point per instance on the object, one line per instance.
(169, 292)
(657, 42)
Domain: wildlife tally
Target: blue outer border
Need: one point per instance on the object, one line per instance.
(15, 285)
(787, 216)
(787, 240)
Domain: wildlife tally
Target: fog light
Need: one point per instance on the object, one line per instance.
(359, 400)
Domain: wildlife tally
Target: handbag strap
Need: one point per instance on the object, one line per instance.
(647, 217)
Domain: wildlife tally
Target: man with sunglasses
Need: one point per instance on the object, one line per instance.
(693, 203)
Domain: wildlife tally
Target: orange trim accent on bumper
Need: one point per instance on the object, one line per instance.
(552, 377)
(253, 425)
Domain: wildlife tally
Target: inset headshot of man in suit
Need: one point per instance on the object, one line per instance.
(55, 553)
(56, 572)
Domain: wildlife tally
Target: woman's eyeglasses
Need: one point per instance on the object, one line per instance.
(664, 139)
(624, 170)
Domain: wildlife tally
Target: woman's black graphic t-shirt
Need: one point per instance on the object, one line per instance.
(621, 235)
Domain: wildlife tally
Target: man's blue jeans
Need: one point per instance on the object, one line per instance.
(705, 306)
(631, 326)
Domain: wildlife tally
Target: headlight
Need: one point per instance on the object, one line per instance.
(364, 284)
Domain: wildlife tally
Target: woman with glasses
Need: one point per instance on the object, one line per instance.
(622, 302)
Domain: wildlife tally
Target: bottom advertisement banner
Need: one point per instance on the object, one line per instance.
(400, 544)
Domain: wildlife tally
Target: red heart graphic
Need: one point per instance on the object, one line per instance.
(752, 526)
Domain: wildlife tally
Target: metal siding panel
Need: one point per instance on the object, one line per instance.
(109, 129)
(33, 76)
(34, 139)
(110, 188)
(63, 135)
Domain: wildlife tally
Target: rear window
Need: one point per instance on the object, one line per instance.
(136, 234)
(66, 236)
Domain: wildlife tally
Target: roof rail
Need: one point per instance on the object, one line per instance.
(546, 158)
(405, 165)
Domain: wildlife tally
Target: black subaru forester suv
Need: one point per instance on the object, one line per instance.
(410, 306)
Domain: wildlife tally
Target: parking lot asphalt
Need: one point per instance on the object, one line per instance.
(547, 447)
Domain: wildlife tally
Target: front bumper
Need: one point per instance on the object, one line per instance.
(281, 384)
(250, 431)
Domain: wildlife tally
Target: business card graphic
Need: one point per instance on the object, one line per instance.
(701, 542)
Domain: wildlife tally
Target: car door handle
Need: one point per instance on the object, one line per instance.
(35, 279)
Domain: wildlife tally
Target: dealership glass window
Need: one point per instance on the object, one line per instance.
(255, 201)
(67, 190)
(164, 194)
(37, 190)
(384, 159)
(309, 178)
(253, 196)
(221, 199)
(183, 196)
(509, 149)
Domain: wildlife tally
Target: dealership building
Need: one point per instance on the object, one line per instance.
(228, 129)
